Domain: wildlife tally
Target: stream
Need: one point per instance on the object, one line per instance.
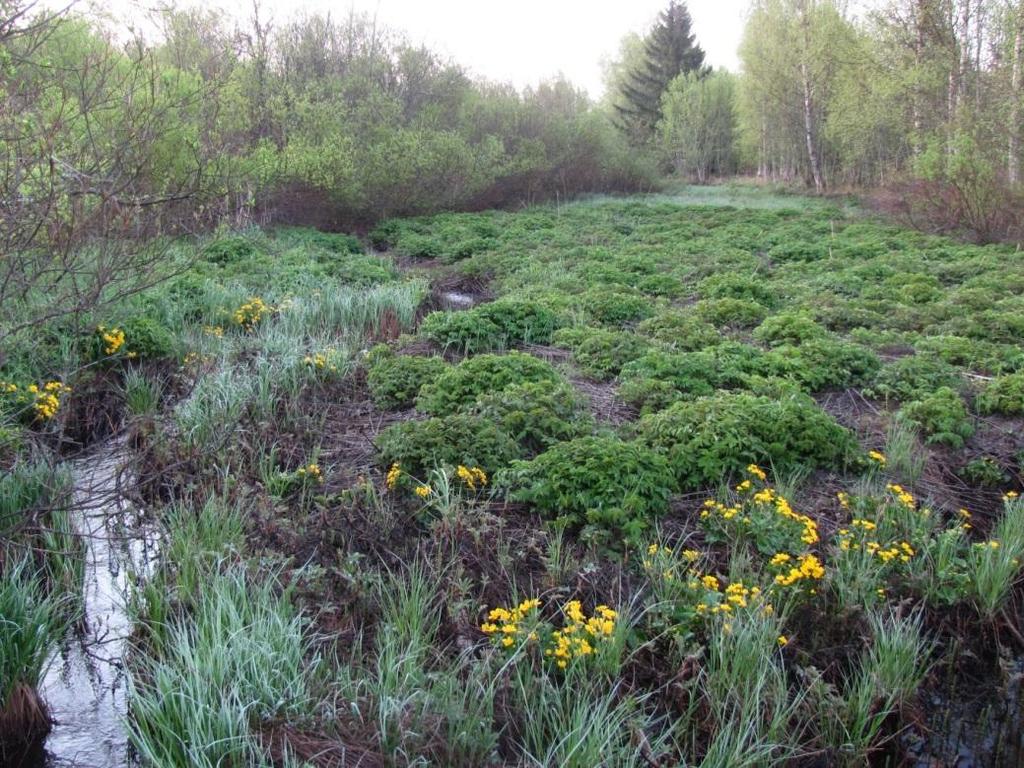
(85, 685)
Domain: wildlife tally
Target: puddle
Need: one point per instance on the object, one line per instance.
(452, 300)
(980, 726)
(85, 686)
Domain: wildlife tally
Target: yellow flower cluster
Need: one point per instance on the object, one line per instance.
(577, 638)
(895, 550)
(1010, 496)
(471, 476)
(45, 400)
(213, 330)
(508, 624)
(392, 478)
(878, 457)
(664, 563)
(806, 568)
(966, 516)
(736, 596)
(113, 339)
(323, 361)
(422, 491)
(311, 471)
(902, 495)
(757, 472)
(251, 313)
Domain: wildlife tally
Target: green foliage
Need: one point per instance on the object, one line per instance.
(395, 380)
(819, 364)
(494, 325)
(460, 386)
(730, 312)
(792, 328)
(600, 352)
(232, 249)
(984, 471)
(146, 338)
(712, 438)
(680, 330)
(942, 416)
(459, 438)
(1004, 394)
(698, 126)
(616, 308)
(727, 285)
(612, 488)
(536, 414)
(660, 378)
(909, 378)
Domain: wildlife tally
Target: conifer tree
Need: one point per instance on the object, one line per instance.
(669, 50)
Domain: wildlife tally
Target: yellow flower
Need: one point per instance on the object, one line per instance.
(393, 474)
(783, 641)
(422, 491)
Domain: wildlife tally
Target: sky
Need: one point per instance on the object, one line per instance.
(524, 41)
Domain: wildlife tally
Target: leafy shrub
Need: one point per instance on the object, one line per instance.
(820, 364)
(396, 380)
(912, 377)
(681, 330)
(146, 338)
(797, 251)
(734, 313)
(712, 438)
(660, 378)
(333, 242)
(1004, 394)
(611, 487)
(611, 307)
(732, 286)
(973, 353)
(460, 438)
(984, 471)
(460, 386)
(535, 414)
(792, 328)
(495, 325)
(942, 416)
(599, 352)
(232, 249)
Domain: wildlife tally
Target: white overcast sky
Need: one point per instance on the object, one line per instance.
(522, 41)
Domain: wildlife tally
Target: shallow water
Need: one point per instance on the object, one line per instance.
(85, 686)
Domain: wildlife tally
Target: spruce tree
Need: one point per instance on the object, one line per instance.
(669, 50)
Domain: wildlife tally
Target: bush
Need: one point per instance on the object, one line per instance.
(613, 488)
(733, 286)
(984, 471)
(713, 438)
(660, 378)
(459, 387)
(610, 307)
(942, 416)
(146, 339)
(232, 249)
(789, 328)
(731, 313)
(599, 352)
(496, 325)
(910, 378)
(680, 330)
(1004, 394)
(819, 364)
(332, 242)
(395, 381)
(420, 446)
(536, 414)
(974, 354)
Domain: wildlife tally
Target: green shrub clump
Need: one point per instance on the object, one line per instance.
(495, 325)
(731, 313)
(789, 328)
(459, 387)
(612, 488)
(1004, 394)
(713, 438)
(941, 416)
(395, 381)
(599, 352)
(732, 286)
(818, 364)
(682, 331)
(536, 414)
(611, 307)
(461, 438)
(910, 378)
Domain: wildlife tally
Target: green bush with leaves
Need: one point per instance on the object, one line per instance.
(941, 416)
(731, 313)
(729, 285)
(396, 380)
(599, 352)
(612, 488)
(710, 439)
(1004, 394)
(495, 325)
(459, 387)
(823, 363)
(232, 249)
(461, 438)
(616, 308)
(793, 327)
(909, 378)
(984, 471)
(536, 414)
(660, 378)
(680, 330)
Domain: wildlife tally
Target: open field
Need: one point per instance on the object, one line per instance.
(714, 477)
